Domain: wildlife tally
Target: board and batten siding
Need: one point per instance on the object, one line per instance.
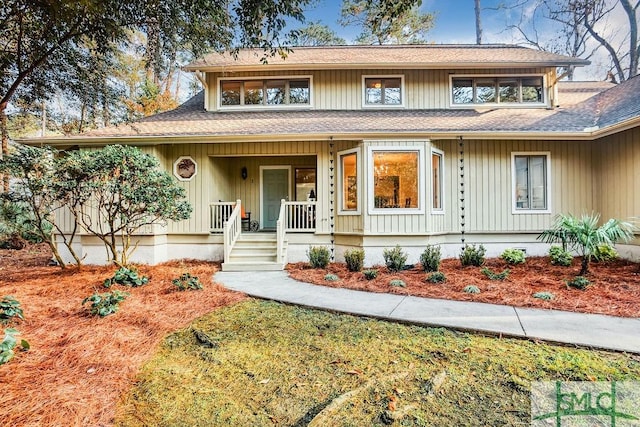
(617, 166)
(488, 197)
(342, 89)
(219, 176)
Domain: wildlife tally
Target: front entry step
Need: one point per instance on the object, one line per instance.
(254, 252)
(252, 266)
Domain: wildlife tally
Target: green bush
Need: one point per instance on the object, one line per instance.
(559, 256)
(472, 255)
(437, 277)
(544, 295)
(579, 282)
(430, 258)
(495, 276)
(471, 289)
(187, 281)
(605, 253)
(318, 256)
(10, 308)
(370, 274)
(513, 256)
(331, 278)
(398, 283)
(127, 277)
(354, 258)
(394, 258)
(9, 343)
(105, 304)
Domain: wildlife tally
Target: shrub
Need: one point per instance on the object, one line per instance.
(437, 277)
(395, 258)
(495, 276)
(605, 253)
(544, 295)
(10, 308)
(318, 256)
(9, 343)
(513, 256)
(579, 282)
(105, 304)
(370, 274)
(559, 256)
(583, 235)
(331, 278)
(430, 258)
(471, 289)
(472, 255)
(354, 259)
(398, 283)
(187, 281)
(127, 277)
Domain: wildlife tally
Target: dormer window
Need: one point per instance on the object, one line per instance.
(383, 91)
(482, 90)
(272, 92)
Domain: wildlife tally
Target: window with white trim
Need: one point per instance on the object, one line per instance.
(383, 91)
(437, 179)
(348, 168)
(396, 178)
(265, 92)
(531, 182)
(471, 90)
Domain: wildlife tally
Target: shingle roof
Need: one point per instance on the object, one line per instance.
(619, 103)
(612, 106)
(387, 56)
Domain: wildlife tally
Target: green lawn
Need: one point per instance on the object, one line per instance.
(262, 364)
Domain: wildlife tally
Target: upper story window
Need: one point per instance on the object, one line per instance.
(383, 91)
(266, 92)
(471, 90)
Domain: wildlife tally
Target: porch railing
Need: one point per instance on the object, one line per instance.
(281, 233)
(219, 213)
(300, 216)
(231, 230)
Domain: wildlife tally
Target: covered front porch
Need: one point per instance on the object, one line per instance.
(247, 246)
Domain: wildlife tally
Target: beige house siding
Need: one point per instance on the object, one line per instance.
(342, 89)
(219, 177)
(488, 184)
(617, 166)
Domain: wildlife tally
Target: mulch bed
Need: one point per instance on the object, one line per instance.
(79, 366)
(615, 286)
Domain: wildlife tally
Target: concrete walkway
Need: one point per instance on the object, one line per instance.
(590, 330)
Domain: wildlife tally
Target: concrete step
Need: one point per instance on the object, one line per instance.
(252, 266)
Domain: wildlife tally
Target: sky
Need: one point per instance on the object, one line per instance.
(455, 20)
(455, 24)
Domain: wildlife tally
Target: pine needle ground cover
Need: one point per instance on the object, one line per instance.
(261, 363)
(79, 365)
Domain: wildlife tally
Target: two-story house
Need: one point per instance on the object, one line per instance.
(373, 146)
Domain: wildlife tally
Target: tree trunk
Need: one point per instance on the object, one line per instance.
(584, 270)
(5, 144)
(478, 23)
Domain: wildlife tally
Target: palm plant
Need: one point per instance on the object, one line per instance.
(583, 235)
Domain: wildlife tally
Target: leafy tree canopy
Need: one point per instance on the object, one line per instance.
(317, 34)
(385, 22)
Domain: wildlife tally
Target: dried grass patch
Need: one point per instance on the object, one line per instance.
(79, 365)
(274, 364)
(615, 290)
